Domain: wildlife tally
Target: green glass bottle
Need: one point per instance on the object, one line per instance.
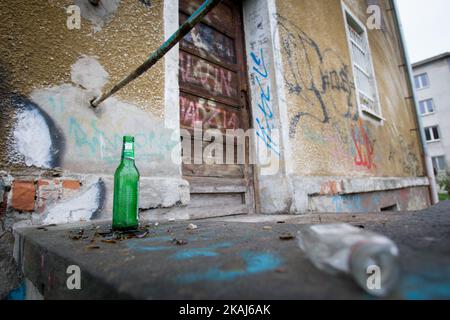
(126, 190)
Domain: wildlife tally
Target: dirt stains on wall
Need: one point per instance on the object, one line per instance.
(329, 137)
(37, 51)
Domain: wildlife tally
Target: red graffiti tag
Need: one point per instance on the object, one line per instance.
(364, 147)
(200, 73)
(194, 110)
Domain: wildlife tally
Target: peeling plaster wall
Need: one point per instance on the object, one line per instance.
(37, 55)
(410, 199)
(49, 74)
(93, 138)
(301, 75)
(327, 134)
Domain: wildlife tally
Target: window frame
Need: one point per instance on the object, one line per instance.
(418, 77)
(364, 112)
(432, 134)
(427, 113)
(435, 160)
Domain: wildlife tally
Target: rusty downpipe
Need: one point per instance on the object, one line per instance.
(426, 156)
(184, 29)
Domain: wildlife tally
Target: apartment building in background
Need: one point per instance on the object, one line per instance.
(432, 82)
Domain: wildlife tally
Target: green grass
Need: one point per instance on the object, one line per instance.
(443, 197)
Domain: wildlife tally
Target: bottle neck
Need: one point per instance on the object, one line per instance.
(128, 152)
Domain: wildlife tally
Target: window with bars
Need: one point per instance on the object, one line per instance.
(366, 89)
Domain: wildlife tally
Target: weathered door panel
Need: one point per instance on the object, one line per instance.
(213, 88)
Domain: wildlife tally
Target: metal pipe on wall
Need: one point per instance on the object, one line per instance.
(184, 29)
(427, 159)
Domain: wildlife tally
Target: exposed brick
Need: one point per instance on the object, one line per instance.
(23, 195)
(71, 184)
(42, 183)
(48, 192)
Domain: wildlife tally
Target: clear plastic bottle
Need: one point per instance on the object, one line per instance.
(342, 248)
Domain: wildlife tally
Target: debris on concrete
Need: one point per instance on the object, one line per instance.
(287, 236)
(143, 235)
(179, 242)
(192, 226)
(110, 241)
(109, 236)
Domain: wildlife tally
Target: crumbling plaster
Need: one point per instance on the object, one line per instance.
(37, 51)
(49, 75)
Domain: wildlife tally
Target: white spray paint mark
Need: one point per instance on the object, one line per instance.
(32, 138)
(78, 209)
(93, 139)
(89, 73)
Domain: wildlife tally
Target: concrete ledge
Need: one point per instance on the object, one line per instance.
(227, 258)
(305, 187)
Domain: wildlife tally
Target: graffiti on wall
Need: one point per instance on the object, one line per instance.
(56, 127)
(202, 74)
(322, 83)
(91, 141)
(318, 76)
(406, 199)
(216, 44)
(37, 139)
(408, 156)
(363, 145)
(264, 118)
(211, 114)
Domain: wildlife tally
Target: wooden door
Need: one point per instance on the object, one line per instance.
(213, 94)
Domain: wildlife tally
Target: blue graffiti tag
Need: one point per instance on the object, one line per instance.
(254, 263)
(201, 252)
(355, 203)
(433, 283)
(264, 123)
(110, 145)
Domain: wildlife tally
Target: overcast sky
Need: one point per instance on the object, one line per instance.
(426, 25)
